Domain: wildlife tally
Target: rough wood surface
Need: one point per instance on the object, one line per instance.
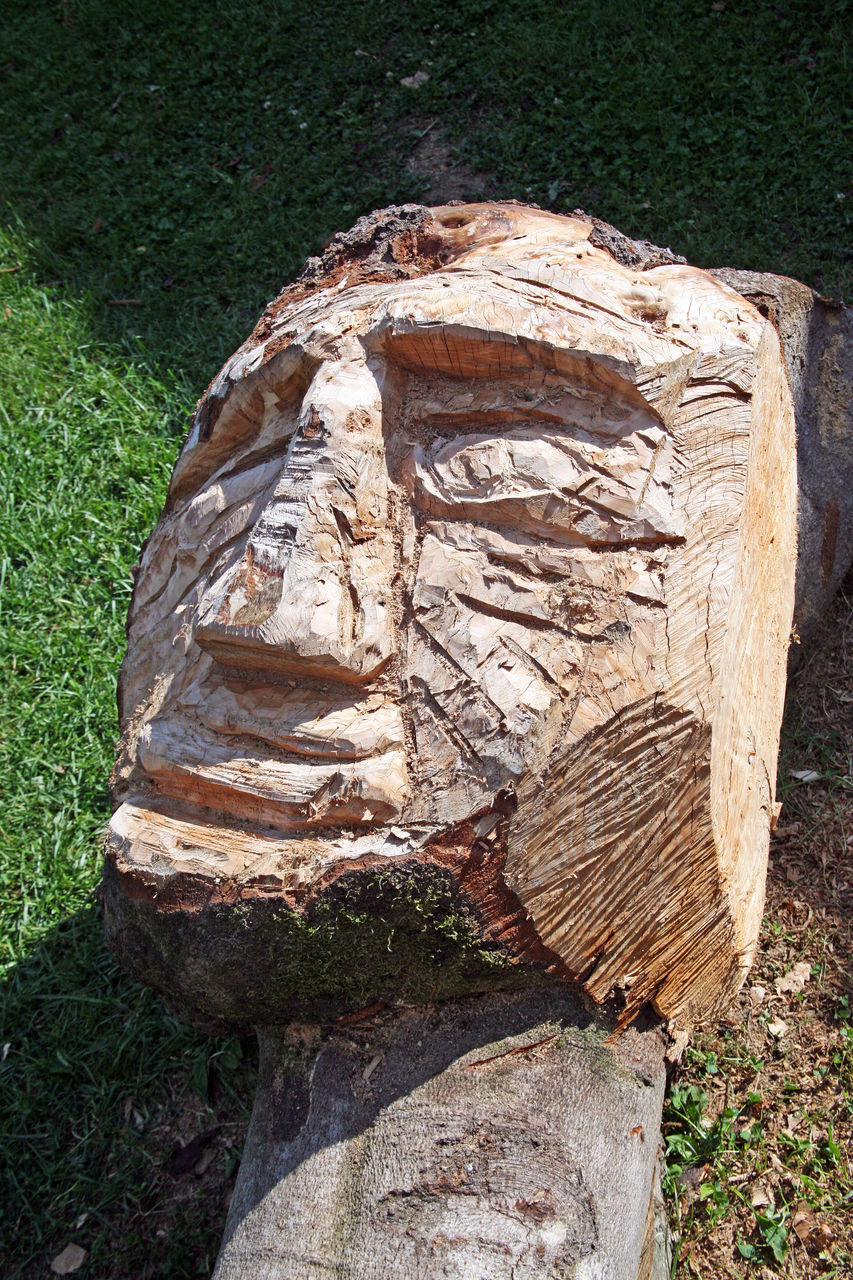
(477, 563)
(497, 1138)
(817, 339)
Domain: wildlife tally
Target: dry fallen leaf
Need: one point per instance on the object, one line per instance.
(760, 1197)
(803, 1223)
(71, 1258)
(185, 1158)
(678, 1042)
(794, 980)
(692, 1176)
(805, 775)
(777, 1028)
(262, 177)
(207, 1158)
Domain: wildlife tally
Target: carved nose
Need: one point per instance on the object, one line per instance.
(311, 594)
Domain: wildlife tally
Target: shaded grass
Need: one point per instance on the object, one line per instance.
(185, 159)
(95, 1083)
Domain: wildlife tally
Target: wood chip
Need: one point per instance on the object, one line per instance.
(371, 1067)
(794, 980)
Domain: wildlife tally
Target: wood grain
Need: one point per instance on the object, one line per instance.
(494, 521)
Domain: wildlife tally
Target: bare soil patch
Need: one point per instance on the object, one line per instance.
(434, 163)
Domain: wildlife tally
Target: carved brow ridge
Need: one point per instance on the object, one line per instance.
(479, 354)
(427, 341)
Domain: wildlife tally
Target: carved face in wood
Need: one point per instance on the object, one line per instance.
(383, 595)
(429, 541)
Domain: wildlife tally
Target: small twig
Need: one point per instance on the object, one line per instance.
(366, 1012)
(4, 271)
(522, 1048)
(423, 133)
(124, 302)
(419, 137)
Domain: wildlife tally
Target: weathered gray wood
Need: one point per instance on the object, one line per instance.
(499, 1137)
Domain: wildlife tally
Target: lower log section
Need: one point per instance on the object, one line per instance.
(499, 1136)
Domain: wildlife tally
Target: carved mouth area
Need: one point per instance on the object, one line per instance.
(309, 723)
(171, 839)
(279, 757)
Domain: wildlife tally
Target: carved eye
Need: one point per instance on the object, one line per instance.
(455, 220)
(551, 481)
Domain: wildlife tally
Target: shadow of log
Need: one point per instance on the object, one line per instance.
(98, 1087)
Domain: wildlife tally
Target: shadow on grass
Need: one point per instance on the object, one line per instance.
(99, 1089)
(811, 858)
(179, 162)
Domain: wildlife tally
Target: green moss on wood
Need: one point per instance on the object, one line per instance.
(400, 934)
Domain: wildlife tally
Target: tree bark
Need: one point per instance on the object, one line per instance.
(817, 339)
(501, 1136)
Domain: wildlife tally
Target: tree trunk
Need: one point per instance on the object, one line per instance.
(500, 1136)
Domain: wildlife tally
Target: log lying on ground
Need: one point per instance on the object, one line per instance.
(455, 666)
(496, 1136)
(474, 585)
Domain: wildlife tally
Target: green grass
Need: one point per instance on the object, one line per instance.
(723, 1146)
(187, 158)
(87, 439)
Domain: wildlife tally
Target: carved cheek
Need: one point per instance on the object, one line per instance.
(527, 631)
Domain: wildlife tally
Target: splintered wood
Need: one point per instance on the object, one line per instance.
(483, 552)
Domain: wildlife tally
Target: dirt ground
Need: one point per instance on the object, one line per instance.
(771, 1192)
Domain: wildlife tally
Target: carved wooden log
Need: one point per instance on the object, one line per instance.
(456, 661)
(817, 339)
(474, 584)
